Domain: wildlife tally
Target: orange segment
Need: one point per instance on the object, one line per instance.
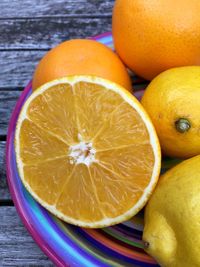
(56, 114)
(133, 163)
(49, 177)
(117, 194)
(78, 199)
(87, 151)
(122, 128)
(93, 106)
(37, 145)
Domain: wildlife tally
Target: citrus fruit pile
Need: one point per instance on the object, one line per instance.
(89, 152)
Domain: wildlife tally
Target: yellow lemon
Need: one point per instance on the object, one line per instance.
(87, 151)
(172, 217)
(172, 100)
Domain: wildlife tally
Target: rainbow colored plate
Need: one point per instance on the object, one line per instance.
(64, 244)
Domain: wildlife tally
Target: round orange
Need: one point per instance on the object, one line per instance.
(81, 57)
(152, 36)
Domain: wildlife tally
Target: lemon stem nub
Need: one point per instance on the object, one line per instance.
(182, 125)
(146, 244)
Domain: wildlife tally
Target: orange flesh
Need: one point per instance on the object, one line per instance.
(62, 117)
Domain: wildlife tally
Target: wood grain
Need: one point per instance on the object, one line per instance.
(44, 33)
(17, 247)
(36, 8)
(4, 193)
(7, 102)
(17, 67)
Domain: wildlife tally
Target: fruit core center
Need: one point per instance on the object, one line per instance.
(82, 152)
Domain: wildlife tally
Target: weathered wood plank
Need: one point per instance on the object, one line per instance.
(43, 33)
(17, 247)
(4, 193)
(17, 67)
(29, 8)
(7, 102)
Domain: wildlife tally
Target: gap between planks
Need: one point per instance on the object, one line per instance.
(71, 16)
(6, 203)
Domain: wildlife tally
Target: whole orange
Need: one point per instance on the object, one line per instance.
(152, 36)
(81, 57)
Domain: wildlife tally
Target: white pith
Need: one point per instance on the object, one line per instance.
(82, 152)
(77, 149)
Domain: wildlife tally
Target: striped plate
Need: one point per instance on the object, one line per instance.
(67, 245)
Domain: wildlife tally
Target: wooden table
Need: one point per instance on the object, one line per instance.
(28, 28)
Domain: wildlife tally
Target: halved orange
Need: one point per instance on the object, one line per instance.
(87, 151)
